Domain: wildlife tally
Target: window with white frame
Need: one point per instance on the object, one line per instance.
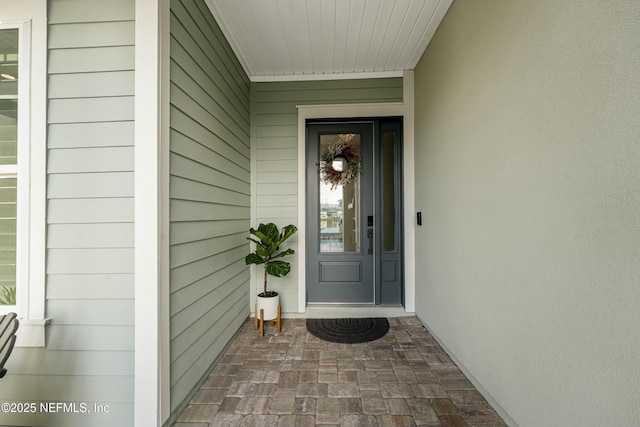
(8, 165)
(23, 53)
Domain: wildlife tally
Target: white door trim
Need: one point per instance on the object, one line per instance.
(392, 109)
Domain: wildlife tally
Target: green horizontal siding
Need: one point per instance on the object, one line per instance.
(210, 195)
(89, 355)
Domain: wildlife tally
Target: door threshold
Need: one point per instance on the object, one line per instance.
(332, 311)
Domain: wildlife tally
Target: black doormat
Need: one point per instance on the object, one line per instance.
(348, 331)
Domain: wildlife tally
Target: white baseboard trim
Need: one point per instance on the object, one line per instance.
(336, 311)
(494, 404)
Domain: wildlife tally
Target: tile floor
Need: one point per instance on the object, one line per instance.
(293, 379)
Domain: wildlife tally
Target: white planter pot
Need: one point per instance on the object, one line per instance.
(269, 305)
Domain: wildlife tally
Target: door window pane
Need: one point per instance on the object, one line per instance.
(339, 204)
(389, 190)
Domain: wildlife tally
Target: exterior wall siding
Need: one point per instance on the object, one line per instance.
(274, 121)
(209, 195)
(89, 290)
(527, 157)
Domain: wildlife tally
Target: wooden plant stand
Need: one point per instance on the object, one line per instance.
(260, 321)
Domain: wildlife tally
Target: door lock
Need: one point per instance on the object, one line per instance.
(370, 236)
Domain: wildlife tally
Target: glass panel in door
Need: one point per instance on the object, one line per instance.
(339, 203)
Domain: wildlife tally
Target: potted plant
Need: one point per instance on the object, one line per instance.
(268, 239)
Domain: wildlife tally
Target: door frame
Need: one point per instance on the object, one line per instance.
(392, 109)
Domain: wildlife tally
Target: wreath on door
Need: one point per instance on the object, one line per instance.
(340, 165)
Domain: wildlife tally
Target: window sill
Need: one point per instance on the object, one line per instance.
(31, 332)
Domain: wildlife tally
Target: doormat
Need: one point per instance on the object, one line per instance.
(348, 331)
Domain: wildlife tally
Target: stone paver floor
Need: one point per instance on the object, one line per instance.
(293, 379)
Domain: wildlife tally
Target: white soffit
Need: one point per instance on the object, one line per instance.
(279, 40)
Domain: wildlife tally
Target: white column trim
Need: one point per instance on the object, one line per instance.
(409, 199)
(391, 109)
(151, 360)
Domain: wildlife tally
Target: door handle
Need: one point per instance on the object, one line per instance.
(370, 236)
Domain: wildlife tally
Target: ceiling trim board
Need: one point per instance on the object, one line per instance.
(332, 76)
(224, 26)
(437, 17)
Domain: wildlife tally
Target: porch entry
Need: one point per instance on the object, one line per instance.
(354, 226)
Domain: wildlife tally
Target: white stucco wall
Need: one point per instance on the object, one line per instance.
(528, 177)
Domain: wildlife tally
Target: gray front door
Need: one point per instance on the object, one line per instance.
(353, 229)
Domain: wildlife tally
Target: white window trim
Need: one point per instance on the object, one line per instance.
(30, 18)
(8, 171)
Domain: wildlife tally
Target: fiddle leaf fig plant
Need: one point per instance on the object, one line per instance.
(268, 239)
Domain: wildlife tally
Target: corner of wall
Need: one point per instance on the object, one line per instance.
(483, 391)
(254, 191)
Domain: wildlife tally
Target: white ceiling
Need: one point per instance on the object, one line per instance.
(327, 39)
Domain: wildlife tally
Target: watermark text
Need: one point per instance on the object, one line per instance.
(53, 408)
